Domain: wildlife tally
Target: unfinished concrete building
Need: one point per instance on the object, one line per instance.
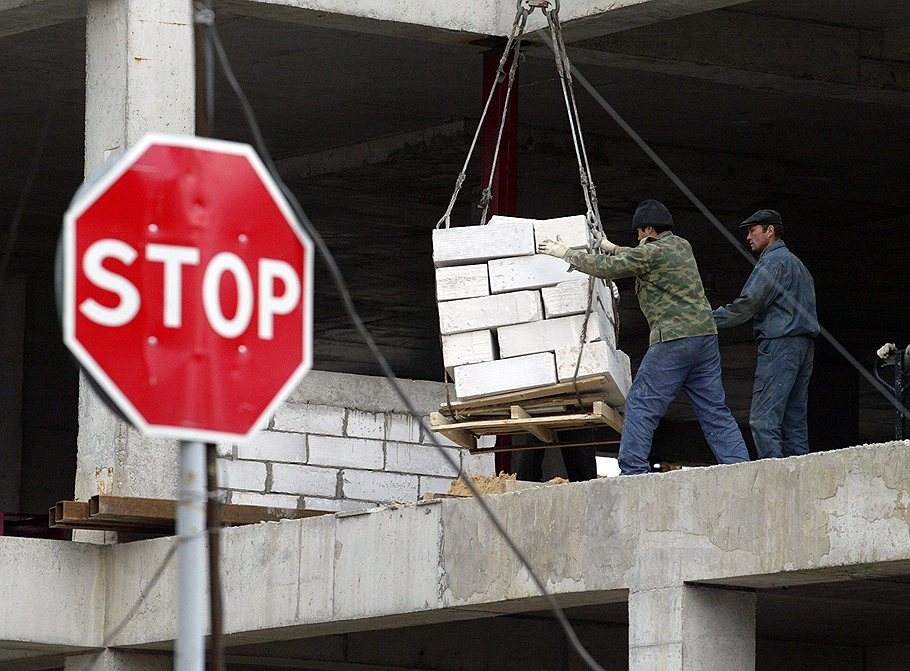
(369, 108)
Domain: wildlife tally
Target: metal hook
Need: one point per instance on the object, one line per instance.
(529, 6)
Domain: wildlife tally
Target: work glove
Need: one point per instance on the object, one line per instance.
(886, 350)
(607, 246)
(555, 248)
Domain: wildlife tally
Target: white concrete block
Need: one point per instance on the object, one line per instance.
(307, 418)
(481, 464)
(429, 484)
(421, 459)
(565, 298)
(456, 282)
(379, 486)
(355, 452)
(500, 219)
(475, 244)
(486, 312)
(571, 230)
(493, 377)
(249, 475)
(598, 358)
(571, 297)
(545, 336)
(402, 428)
(311, 480)
(568, 298)
(605, 324)
(336, 505)
(270, 500)
(274, 446)
(469, 347)
(527, 272)
(365, 424)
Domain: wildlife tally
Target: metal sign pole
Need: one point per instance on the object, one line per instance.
(189, 650)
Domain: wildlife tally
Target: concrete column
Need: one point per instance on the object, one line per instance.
(691, 629)
(118, 660)
(140, 77)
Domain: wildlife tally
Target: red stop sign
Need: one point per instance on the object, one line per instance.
(187, 288)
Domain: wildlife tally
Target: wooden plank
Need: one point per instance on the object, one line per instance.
(465, 439)
(164, 511)
(145, 515)
(567, 389)
(499, 426)
(610, 416)
(542, 434)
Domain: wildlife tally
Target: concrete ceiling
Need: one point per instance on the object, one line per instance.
(830, 620)
(802, 107)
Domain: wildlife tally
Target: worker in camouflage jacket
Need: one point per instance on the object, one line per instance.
(683, 353)
(779, 298)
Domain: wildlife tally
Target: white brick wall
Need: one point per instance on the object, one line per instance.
(339, 451)
(306, 418)
(323, 456)
(365, 424)
(479, 464)
(433, 485)
(403, 428)
(407, 458)
(335, 505)
(271, 500)
(248, 475)
(274, 446)
(379, 486)
(301, 479)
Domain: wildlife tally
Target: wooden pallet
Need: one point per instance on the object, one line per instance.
(541, 412)
(153, 516)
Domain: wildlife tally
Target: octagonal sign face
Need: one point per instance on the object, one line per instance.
(187, 288)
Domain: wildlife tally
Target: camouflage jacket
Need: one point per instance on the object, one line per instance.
(667, 283)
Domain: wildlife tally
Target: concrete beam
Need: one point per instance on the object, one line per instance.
(760, 52)
(19, 16)
(822, 517)
(465, 21)
(53, 597)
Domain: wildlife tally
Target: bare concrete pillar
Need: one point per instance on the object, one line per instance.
(119, 660)
(140, 77)
(691, 629)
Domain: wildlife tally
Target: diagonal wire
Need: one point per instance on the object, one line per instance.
(345, 295)
(687, 192)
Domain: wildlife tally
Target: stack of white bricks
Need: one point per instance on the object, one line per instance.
(511, 319)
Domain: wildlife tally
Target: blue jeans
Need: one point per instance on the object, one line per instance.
(780, 396)
(690, 364)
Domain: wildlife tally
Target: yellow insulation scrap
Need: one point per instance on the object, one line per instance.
(495, 484)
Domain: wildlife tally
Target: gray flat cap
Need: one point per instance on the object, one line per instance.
(762, 217)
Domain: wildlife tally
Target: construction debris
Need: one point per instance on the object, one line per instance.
(496, 484)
